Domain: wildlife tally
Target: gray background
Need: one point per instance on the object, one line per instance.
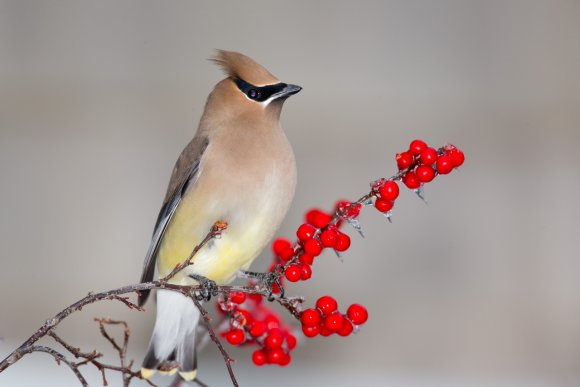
(481, 287)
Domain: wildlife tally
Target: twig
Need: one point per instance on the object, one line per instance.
(59, 357)
(342, 214)
(207, 321)
(121, 350)
(114, 294)
(91, 357)
(215, 232)
(131, 305)
(74, 350)
(292, 305)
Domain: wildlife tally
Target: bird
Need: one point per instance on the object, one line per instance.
(238, 168)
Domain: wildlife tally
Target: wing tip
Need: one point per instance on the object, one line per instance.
(142, 297)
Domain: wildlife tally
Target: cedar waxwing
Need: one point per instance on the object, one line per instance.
(238, 168)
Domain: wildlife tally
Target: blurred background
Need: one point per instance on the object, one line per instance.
(481, 287)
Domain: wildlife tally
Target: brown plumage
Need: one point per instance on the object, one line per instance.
(238, 65)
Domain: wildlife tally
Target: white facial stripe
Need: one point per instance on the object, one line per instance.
(267, 102)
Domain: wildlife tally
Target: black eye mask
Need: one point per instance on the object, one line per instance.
(256, 93)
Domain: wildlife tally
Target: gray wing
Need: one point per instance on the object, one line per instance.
(172, 202)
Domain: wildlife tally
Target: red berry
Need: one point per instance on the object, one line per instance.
(425, 173)
(457, 157)
(280, 245)
(317, 218)
(283, 249)
(293, 272)
(383, 205)
(428, 156)
(291, 341)
(285, 360)
(257, 298)
(416, 147)
(244, 317)
(346, 329)
(306, 259)
(411, 180)
(357, 314)
(313, 247)
(287, 254)
(237, 297)
(444, 164)
(272, 321)
(259, 357)
(343, 242)
(329, 237)
(305, 232)
(353, 209)
(310, 330)
(222, 307)
(274, 338)
(404, 160)
(306, 272)
(310, 317)
(389, 190)
(334, 322)
(326, 304)
(258, 328)
(235, 336)
(275, 355)
(324, 331)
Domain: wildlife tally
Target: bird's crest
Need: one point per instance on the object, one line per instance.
(238, 65)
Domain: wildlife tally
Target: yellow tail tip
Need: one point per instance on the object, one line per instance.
(188, 376)
(146, 373)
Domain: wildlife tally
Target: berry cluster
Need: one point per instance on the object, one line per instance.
(251, 321)
(325, 319)
(422, 163)
(417, 166)
(316, 234)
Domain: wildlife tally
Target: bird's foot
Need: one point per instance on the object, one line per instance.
(208, 288)
(267, 280)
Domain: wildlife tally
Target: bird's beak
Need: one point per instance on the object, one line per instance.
(288, 91)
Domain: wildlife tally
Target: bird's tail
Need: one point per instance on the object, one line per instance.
(172, 347)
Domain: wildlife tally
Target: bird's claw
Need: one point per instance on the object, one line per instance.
(268, 280)
(271, 279)
(208, 289)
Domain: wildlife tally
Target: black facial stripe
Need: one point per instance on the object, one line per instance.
(257, 93)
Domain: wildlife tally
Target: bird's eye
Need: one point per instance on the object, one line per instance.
(253, 94)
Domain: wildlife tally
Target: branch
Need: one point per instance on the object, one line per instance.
(47, 329)
(57, 356)
(207, 321)
(114, 294)
(90, 358)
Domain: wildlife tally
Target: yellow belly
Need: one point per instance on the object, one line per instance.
(248, 232)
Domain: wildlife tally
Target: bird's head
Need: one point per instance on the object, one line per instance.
(249, 88)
